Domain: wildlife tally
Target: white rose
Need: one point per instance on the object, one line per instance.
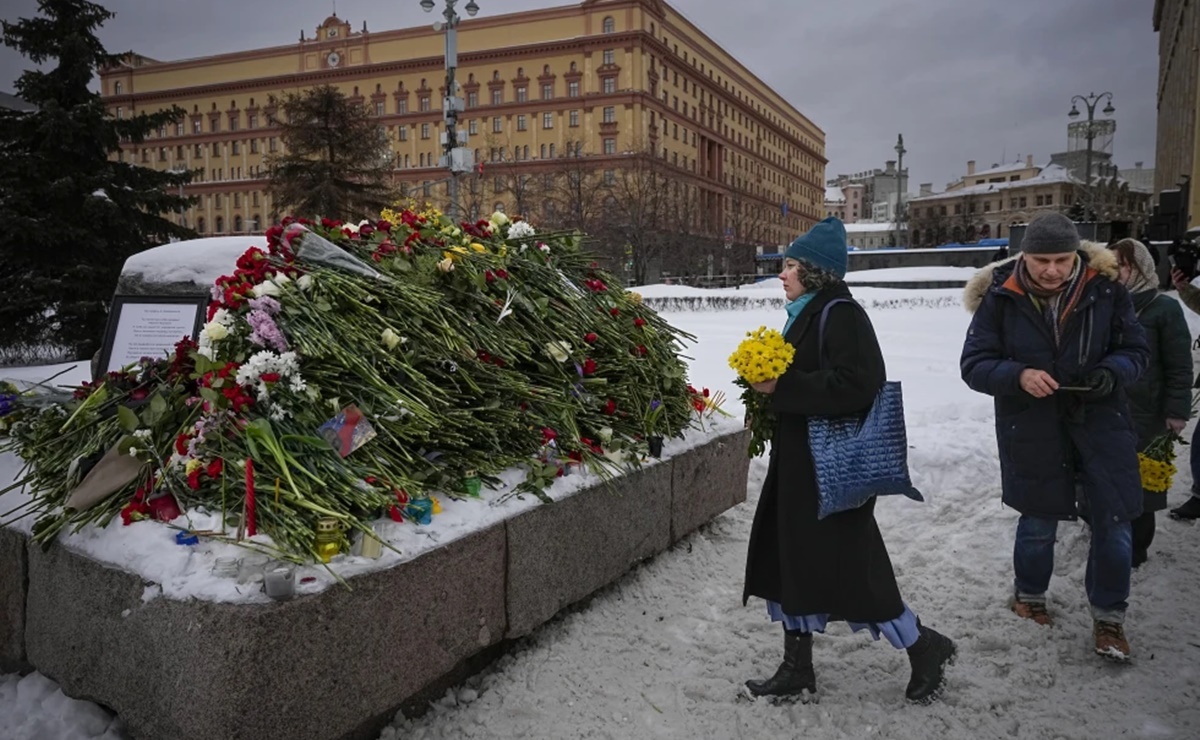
(304, 282)
(605, 434)
(266, 288)
(391, 339)
(560, 351)
(281, 279)
(446, 265)
(545, 248)
(498, 219)
(352, 228)
(215, 331)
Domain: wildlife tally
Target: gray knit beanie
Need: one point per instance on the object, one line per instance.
(1050, 233)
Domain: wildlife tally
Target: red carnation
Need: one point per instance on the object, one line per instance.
(590, 337)
(589, 366)
(548, 435)
(502, 274)
(610, 408)
(639, 322)
(181, 445)
(614, 311)
(164, 508)
(193, 480)
(215, 468)
(270, 377)
(489, 276)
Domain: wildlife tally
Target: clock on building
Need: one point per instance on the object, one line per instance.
(333, 59)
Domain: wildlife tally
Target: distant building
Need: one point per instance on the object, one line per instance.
(1177, 159)
(984, 205)
(847, 203)
(868, 235)
(9, 101)
(878, 186)
(1139, 178)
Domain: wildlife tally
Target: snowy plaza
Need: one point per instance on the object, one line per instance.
(662, 653)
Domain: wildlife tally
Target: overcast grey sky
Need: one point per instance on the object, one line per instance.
(961, 80)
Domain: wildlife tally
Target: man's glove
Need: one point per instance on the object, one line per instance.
(1102, 383)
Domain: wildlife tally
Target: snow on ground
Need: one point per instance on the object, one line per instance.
(662, 653)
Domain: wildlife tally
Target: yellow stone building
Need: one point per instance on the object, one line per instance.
(1178, 153)
(607, 79)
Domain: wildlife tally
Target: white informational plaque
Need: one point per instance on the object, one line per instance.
(149, 327)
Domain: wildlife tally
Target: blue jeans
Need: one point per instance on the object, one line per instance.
(1195, 461)
(1110, 559)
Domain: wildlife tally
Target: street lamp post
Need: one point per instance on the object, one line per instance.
(900, 152)
(455, 156)
(1090, 102)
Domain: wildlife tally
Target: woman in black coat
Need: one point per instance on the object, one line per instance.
(808, 570)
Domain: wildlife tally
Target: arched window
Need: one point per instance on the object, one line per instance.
(200, 225)
(546, 70)
(256, 223)
(220, 224)
(551, 151)
(237, 224)
(526, 151)
(610, 25)
(573, 67)
(118, 87)
(543, 152)
(496, 75)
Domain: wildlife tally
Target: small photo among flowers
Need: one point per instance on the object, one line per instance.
(347, 431)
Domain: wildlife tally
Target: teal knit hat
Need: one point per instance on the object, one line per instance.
(824, 246)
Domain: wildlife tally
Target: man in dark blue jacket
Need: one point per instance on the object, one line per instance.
(1055, 340)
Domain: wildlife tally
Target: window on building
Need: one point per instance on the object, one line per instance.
(1023, 202)
(233, 123)
(610, 26)
(424, 104)
(473, 99)
(118, 88)
(610, 85)
(237, 200)
(424, 130)
(1040, 200)
(987, 206)
(552, 152)
(610, 177)
(497, 125)
(220, 223)
(197, 151)
(497, 97)
(473, 127)
(254, 201)
(547, 120)
(942, 210)
(237, 147)
(548, 91)
(522, 94)
(542, 152)
(252, 120)
(610, 56)
(573, 89)
(379, 107)
(426, 188)
(216, 149)
(179, 128)
(610, 114)
(958, 209)
(573, 119)
(272, 144)
(521, 123)
(402, 106)
(610, 146)
(162, 154)
(402, 133)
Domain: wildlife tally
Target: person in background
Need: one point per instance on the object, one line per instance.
(1190, 510)
(1162, 399)
(811, 571)
(1054, 339)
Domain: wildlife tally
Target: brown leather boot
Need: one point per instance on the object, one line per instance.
(1035, 610)
(1111, 642)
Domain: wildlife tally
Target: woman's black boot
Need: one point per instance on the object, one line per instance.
(795, 675)
(929, 656)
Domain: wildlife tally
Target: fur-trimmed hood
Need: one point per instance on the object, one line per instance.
(1099, 257)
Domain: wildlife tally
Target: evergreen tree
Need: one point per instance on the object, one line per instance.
(71, 215)
(336, 161)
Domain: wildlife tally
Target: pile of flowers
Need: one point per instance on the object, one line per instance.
(350, 372)
(763, 355)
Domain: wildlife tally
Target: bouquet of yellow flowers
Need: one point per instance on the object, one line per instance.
(762, 356)
(1157, 462)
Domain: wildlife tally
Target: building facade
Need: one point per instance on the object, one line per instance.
(879, 186)
(984, 205)
(1177, 158)
(846, 203)
(601, 82)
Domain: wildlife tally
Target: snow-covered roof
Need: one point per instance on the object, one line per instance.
(200, 261)
(1052, 173)
(1002, 168)
(834, 194)
(863, 227)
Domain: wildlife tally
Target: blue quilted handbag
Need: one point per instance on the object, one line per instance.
(858, 457)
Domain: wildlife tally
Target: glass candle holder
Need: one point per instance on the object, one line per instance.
(279, 581)
(225, 567)
(329, 536)
(251, 568)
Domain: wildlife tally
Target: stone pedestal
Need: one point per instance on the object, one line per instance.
(338, 664)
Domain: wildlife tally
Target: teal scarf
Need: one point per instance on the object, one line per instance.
(794, 308)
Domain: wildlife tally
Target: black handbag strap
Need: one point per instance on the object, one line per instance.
(821, 326)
